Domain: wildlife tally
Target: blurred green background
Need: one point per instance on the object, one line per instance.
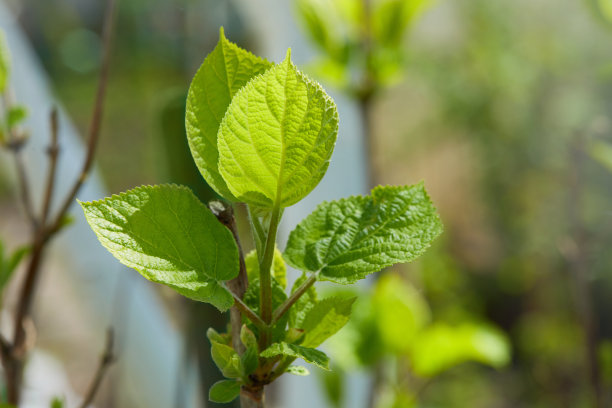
(503, 108)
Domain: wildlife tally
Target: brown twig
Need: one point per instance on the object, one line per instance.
(108, 358)
(53, 152)
(13, 362)
(238, 285)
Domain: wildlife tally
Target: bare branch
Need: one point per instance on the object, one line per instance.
(53, 152)
(108, 358)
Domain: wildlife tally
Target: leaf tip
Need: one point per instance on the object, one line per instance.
(221, 33)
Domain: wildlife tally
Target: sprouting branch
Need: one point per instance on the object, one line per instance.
(238, 285)
(108, 358)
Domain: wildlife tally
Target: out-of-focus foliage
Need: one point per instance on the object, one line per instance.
(395, 325)
(361, 41)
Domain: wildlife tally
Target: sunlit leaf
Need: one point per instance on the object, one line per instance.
(277, 137)
(224, 71)
(350, 238)
(170, 237)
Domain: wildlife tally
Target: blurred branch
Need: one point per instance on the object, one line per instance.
(53, 152)
(108, 358)
(13, 362)
(579, 267)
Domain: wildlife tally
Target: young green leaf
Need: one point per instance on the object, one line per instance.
(440, 347)
(224, 391)
(279, 269)
(304, 304)
(277, 137)
(307, 354)
(15, 115)
(170, 237)
(325, 319)
(298, 370)
(224, 71)
(350, 238)
(227, 360)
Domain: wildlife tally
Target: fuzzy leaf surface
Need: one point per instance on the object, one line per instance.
(310, 355)
(224, 71)
(277, 137)
(350, 238)
(170, 237)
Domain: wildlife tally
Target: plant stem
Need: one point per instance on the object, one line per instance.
(248, 312)
(105, 361)
(252, 397)
(265, 277)
(238, 285)
(53, 152)
(295, 296)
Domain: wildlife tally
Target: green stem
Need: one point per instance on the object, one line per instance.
(265, 276)
(295, 296)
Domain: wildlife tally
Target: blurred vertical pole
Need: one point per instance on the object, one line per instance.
(579, 268)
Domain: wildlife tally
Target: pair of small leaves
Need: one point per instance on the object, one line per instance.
(229, 362)
(337, 27)
(259, 134)
(350, 238)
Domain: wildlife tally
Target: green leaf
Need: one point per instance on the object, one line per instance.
(325, 319)
(277, 137)
(226, 359)
(440, 347)
(170, 237)
(5, 62)
(298, 370)
(400, 311)
(224, 391)
(279, 269)
(15, 115)
(350, 238)
(309, 355)
(224, 71)
(304, 304)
